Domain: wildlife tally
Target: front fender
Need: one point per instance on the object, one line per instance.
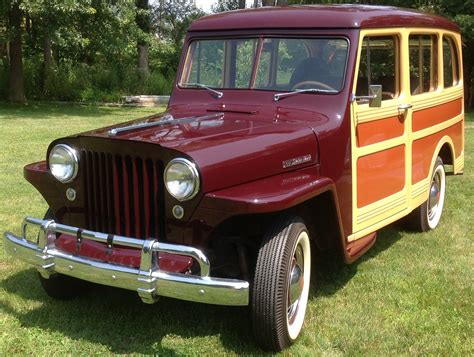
(271, 194)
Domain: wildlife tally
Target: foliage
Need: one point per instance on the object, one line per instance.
(227, 5)
(171, 20)
(87, 50)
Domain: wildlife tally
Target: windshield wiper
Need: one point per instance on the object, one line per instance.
(278, 96)
(200, 85)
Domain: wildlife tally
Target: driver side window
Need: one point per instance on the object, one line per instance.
(379, 65)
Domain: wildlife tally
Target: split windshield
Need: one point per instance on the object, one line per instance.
(277, 64)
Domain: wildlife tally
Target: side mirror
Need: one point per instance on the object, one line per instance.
(375, 96)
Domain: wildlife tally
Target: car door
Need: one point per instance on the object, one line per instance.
(379, 134)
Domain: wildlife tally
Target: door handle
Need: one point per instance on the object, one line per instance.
(405, 106)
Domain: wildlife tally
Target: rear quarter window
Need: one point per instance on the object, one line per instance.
(450, 62)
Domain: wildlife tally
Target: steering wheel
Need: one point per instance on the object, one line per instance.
(312, 83)
(390, 95)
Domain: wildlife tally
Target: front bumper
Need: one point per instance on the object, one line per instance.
(149, 281)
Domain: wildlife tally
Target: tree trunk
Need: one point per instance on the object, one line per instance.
(16, 84)
(48, 61)
(144, 23)
(47, 53)
(241, 4)
(143, 57)
(4, 56)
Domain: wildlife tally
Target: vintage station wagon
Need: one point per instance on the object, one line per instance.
(288, 131)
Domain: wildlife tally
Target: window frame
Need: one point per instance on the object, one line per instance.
(454, 60)
(397, 66)
(435, 69)
(186, 69)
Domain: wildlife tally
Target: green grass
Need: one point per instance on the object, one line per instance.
(410, 294)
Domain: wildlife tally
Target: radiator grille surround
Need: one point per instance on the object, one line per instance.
(123, 194)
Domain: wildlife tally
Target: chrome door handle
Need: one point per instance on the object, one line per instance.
(405, 106)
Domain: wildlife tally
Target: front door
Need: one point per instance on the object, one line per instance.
(379, 135)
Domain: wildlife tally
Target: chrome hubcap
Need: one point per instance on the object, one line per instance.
(296, 284)
(433, 200)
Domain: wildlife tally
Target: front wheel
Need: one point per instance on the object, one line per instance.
(281, 284)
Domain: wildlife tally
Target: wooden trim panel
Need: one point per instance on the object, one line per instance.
(372, 171)
(424, 148)
(426, 118)
(379, 130)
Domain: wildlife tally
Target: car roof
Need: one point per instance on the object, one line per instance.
(321, 16)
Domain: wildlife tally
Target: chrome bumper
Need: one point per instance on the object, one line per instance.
(149, 281)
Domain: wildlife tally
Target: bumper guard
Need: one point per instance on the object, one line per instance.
(149, 281)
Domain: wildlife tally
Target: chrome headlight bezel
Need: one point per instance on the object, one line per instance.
(195, 179)
(71, 159)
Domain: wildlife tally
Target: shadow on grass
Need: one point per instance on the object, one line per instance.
(118, 319)
(331, 274)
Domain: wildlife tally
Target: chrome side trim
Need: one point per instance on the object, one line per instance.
(149, 281)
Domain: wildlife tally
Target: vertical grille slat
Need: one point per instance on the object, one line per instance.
(156, 218)
(126, 198)
(102, 192)
(110, 195)
(122, 194)
(136, 198)
(146, 200)
(117, 200)
(95, 182)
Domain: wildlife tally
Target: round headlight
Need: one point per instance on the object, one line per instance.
(63, 163)
(181, 179)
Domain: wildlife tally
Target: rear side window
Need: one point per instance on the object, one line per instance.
(450, 63)
(423, 63)
(379, 65)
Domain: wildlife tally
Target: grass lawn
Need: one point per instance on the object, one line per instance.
(410, 294)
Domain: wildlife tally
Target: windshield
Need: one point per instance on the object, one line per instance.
(277, 64)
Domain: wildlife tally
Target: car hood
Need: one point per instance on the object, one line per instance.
(228, 148)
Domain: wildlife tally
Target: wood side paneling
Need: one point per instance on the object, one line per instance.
(426, 118)
(379, 130)
(423, 150)
(380, 175)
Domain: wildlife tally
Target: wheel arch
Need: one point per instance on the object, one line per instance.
(320, 213)
(445, 150)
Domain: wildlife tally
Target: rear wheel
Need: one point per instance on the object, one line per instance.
(427, 216)
(281, 284)
(58, 286)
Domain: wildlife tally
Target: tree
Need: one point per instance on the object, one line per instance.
(143, 21)
(228, 5)
(171, 20)
(16, 82)
(274, 2)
